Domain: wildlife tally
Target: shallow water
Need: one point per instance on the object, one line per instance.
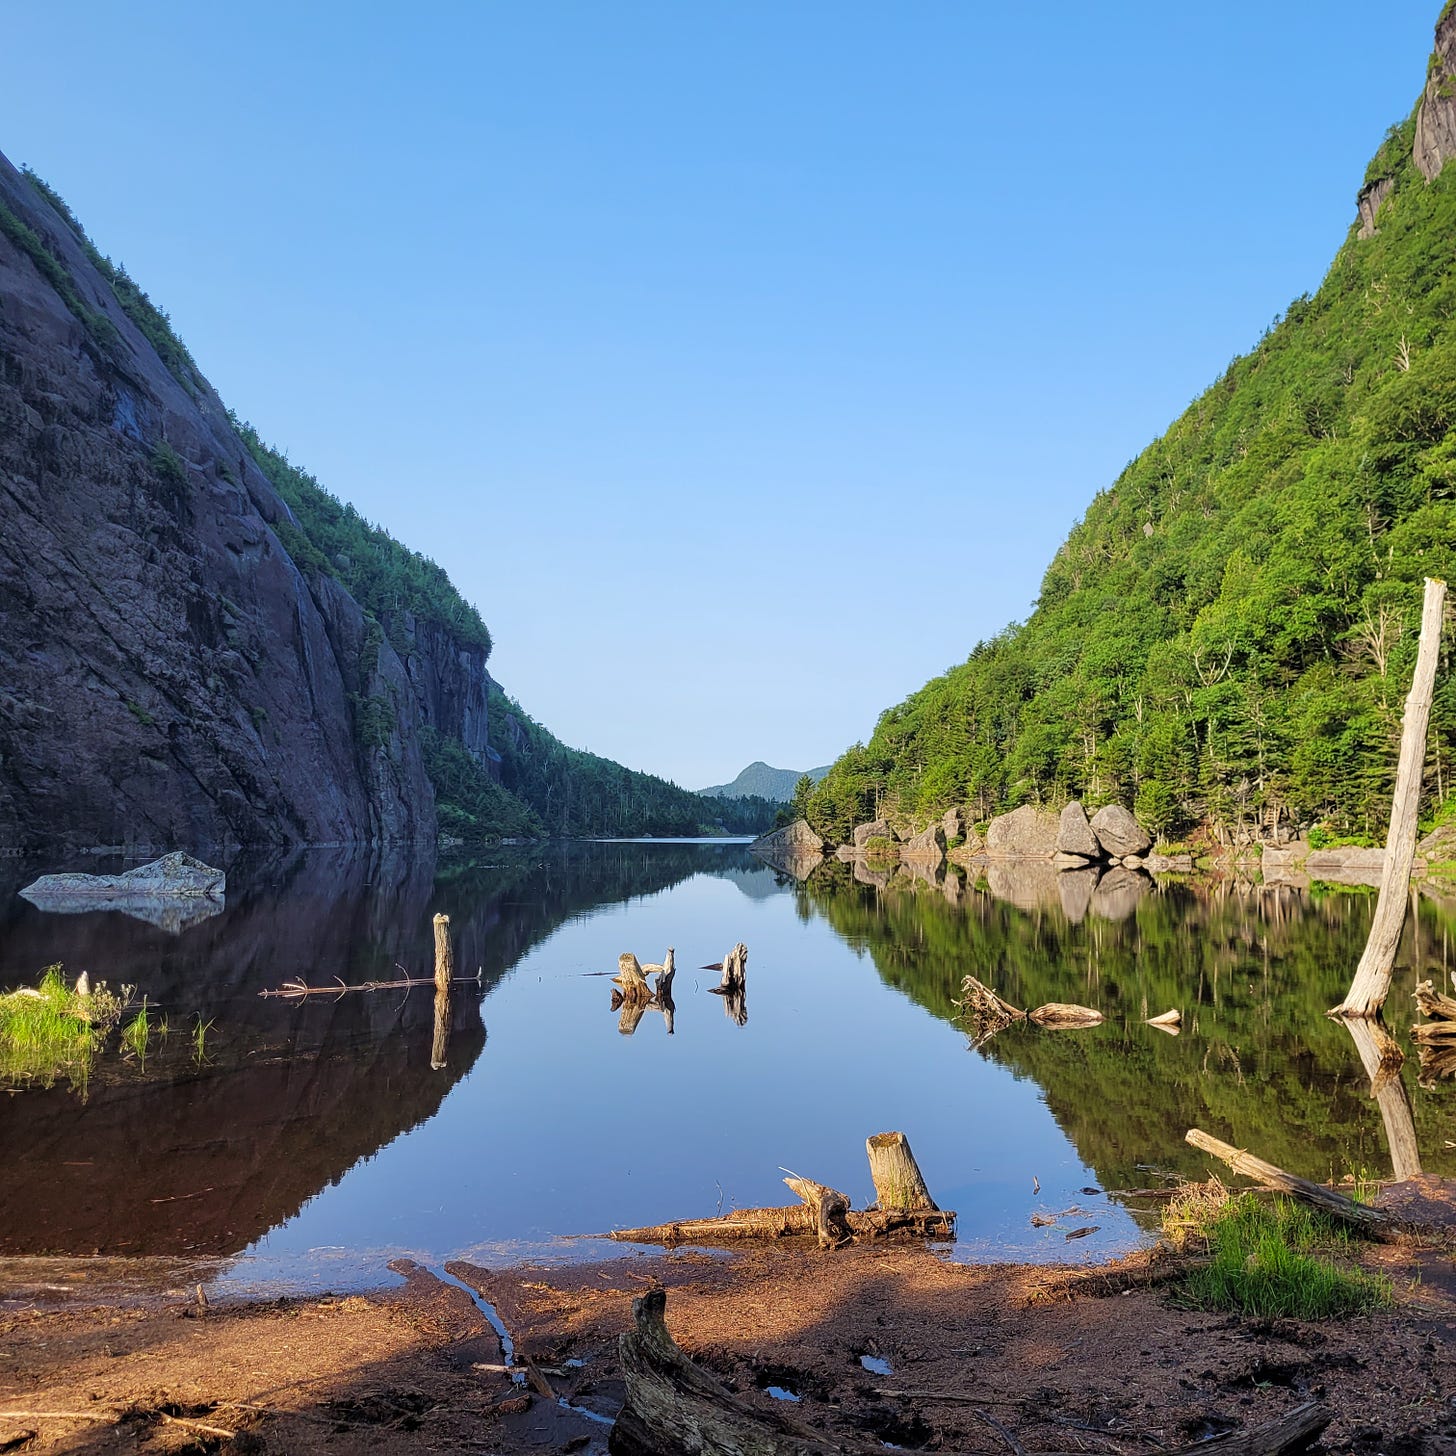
(316, 1141)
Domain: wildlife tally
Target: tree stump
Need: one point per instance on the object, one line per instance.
(899, 1185)
(444, 955)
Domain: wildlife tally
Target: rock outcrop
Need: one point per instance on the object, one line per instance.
(795, 849)
(1119, 833)
(1372, 195)
(168, 674)
(1435, 139)
(875, 829)
(1025, 833)
(927, 847)
(1074, 834)
(171, 893)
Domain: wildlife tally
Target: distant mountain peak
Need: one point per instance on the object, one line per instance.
(763, 781)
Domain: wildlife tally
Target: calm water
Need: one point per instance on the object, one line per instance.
(317, 1141)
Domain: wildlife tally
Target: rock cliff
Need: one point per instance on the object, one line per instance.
(1435, 142)
(169, 676)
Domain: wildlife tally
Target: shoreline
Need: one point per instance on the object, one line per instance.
(419, 1365)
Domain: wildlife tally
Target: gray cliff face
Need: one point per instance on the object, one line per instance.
(1435, 142)
(449, 682)
(168, 677)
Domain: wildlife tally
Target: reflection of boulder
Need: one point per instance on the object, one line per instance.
(1028, 886)
(1074, 833)
(1118, 892)
(1118, 832)
(923, 871)
(864, 875)
(953, 887)
(1076, 888)
(1025, 833)
(1168, 864)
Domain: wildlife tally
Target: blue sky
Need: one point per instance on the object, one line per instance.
(745, 364)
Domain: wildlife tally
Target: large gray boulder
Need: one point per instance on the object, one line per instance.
(173, 874)
(1347, 864)
(952, 825)
(925, 848)
(1025, 833)
(1074, 833)
(1119, 833)
(875, 829)
(795, 849)
(171, 893)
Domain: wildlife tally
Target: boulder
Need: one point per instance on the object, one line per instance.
(1025, 833)
(1074, 833)
(173, 874)
(171, 893)
(1348, 864)
(795, 849)
(875, 829)
(1064, 861)
(1119, 833)
(952, 825)
(1169, 864)
(926, 848)
(846, 854)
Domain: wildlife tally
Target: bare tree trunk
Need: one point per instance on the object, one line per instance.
(1382, 1059)
(899, 1184)
(444, 955)
(1371, 985)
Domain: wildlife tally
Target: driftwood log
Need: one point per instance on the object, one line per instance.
(1371, 1221)
(1371, 985)
(674, 1406)
(1435, 1039)
(905, 1206)
(988, 1013)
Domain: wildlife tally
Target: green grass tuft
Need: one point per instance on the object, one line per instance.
(1268, 1261)
(52, 1031)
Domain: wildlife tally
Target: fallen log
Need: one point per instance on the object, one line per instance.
(1372, 1221)
(797, 1220)
(830, 1209)
(673, 1406)
(1169, 1021)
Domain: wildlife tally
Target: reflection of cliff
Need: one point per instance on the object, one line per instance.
(179, 1158)
(1253, 973)
(208, 1163)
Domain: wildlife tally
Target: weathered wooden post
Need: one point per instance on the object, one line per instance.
(1371, 985)
(899, 1185)
(444, 974)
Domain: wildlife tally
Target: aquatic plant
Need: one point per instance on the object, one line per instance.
(55, 1030)
(1269, 1259)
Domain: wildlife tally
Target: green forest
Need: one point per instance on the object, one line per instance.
(1229, 633)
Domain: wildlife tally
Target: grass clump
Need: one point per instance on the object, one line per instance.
(54, 1030)
(1267, 1258)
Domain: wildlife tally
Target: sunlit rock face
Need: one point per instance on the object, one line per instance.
(1435, 142)
(169, 677)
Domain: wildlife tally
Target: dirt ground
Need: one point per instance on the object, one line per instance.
(418, 1367)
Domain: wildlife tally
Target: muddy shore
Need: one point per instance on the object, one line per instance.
(419, 1367)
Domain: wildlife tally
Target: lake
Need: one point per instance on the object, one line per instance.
(314, 1140)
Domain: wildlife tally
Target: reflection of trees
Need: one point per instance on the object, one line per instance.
(1253, 972)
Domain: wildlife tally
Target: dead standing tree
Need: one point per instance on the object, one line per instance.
(1371, 985)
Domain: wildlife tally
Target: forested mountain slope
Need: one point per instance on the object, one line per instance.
(1229, 632)
(199, 645)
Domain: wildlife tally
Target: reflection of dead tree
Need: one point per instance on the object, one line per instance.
(988, 1013)
(1382, 1059)
(674, 1405)
(904, 1206)
(1435, 1039)
(635, 995)
(733, 988)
